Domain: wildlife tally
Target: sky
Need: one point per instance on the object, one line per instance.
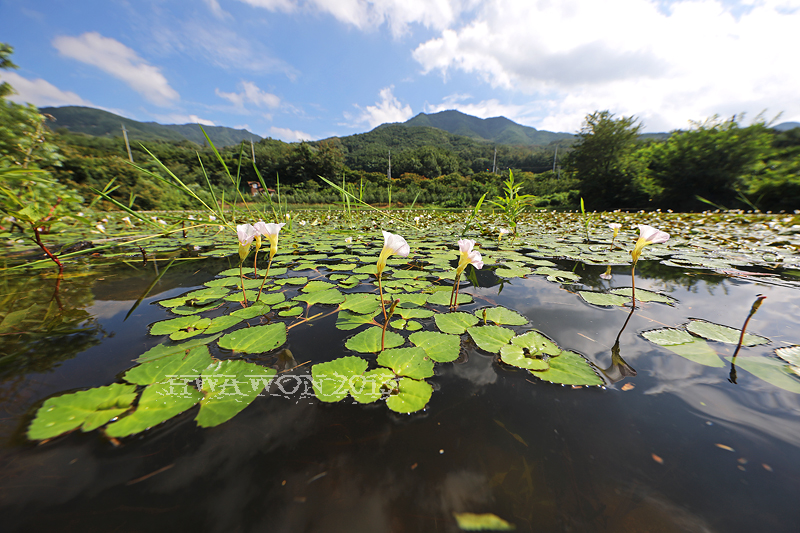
(312, 69)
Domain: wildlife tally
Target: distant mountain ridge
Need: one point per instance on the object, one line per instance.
(104, 124)
(499, 130)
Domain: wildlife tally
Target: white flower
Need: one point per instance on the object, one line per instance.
(302, 222)
(270, 231)
(348, 240)
(245, 233)
(416, 219)
(503, 231)
(614, 226)
(191, 217)
(468, 256)
(101, 228)
(211, 218)
(647, 235)
(392, 245)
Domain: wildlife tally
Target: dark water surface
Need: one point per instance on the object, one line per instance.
(683, 450)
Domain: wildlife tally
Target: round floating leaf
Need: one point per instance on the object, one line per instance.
(455, 323)
(369, 341)
(643, 295)
(512, 272)
(443, 298)
(293, 311)
(604, 298)
(174, 325)
(408, 314)
(300, 280)
(517, 356)
(88, 410)
(163, 350)
(361, 303)
(490, 338)
(440, 347)
(317, 285)
(159, 402)
(334, 380)
(253, 310)
(501, 316)
(269, 298)
(238, 296)
(413, 325)
(345, 320)
(221, 323)
(774, 372)
(717, 332)
(557, 275)
(257, 339)
(409, 362)
(569, 368)
(326, 297)
(229, 387)
(179, 365)
(411, 395)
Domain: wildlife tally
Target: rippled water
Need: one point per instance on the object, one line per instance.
(677, 447)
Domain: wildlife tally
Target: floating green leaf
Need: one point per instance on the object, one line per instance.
(257, 339)
(685, 345)
(326, 297)
(409, 313)
(443, 298)
(501, 316)
(159, 402)
(604, 298)
(229, 387)
(569, 368)
(440, 347)
(186, 366)
(527, 351)
(717, 332)
(410, 362)
(643, 295)
(334, 380)
(409, 396)
(317, 285)
(292, 311)
(369, 341)
(87, 409)
(253, 310)
(490, 338)
(557, 275)
(163, 350)
(345, 320)
(361, 303)
(455, 323)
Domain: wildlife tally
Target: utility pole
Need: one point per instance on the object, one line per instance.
(554, 160)
(128, 146)
(494, 163)
(389, 172)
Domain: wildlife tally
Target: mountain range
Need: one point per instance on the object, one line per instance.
(496, 130)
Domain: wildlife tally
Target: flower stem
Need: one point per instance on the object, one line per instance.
(269, 263)
(383, 305)
(633, 286)
(454, 293)
(255, 264)
(241, 278)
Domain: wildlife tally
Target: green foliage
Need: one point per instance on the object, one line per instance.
(512, 204)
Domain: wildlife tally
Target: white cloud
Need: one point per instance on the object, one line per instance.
(123, 63)
(371, 14)
(389, 109)
(39, 92)
(183, 119)
(215, 8)
(666, 64)
(250, 94)
(288, 135)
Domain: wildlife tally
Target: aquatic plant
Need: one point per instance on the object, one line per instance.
(270, 231)
(512, 204)
(647, 235)
(467, 256)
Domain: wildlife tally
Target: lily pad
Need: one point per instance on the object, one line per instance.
(408, 314)
(334, 380)
(718, 332)
(443, 298)
(292, 311)
(643, 295)
(409, 396)
(490, 338)
(482, 522)
(87, 409)
(229, 387)
(186, 366)
(326, 297)
(603, 298)
(681, 343)
(569, 368)
(257, 339)
(163, 350)
(790, 354)
(410, 362)
(440, 347)
(253, 310)
(345, 320)
(159, 402)
(456, 322)
(501, 316)
(369, 340)
(317, 285)
(361, 303)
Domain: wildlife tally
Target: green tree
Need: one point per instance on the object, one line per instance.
(602, 161)
(714, 160)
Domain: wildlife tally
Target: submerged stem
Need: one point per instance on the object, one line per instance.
(241, 278)
(759, 298)
(269, 263)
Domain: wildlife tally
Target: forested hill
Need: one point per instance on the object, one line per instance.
(497, 129)
(104, 124)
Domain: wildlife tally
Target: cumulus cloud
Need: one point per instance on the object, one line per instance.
(250, 94)
(39, 92)
(371, 14)
(116, 59)
(389, 109)
(183, 119)
(288, 135)
(666, 63)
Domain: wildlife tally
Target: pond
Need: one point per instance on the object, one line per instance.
(145, 395)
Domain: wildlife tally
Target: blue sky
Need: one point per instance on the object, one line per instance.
(311, 69)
